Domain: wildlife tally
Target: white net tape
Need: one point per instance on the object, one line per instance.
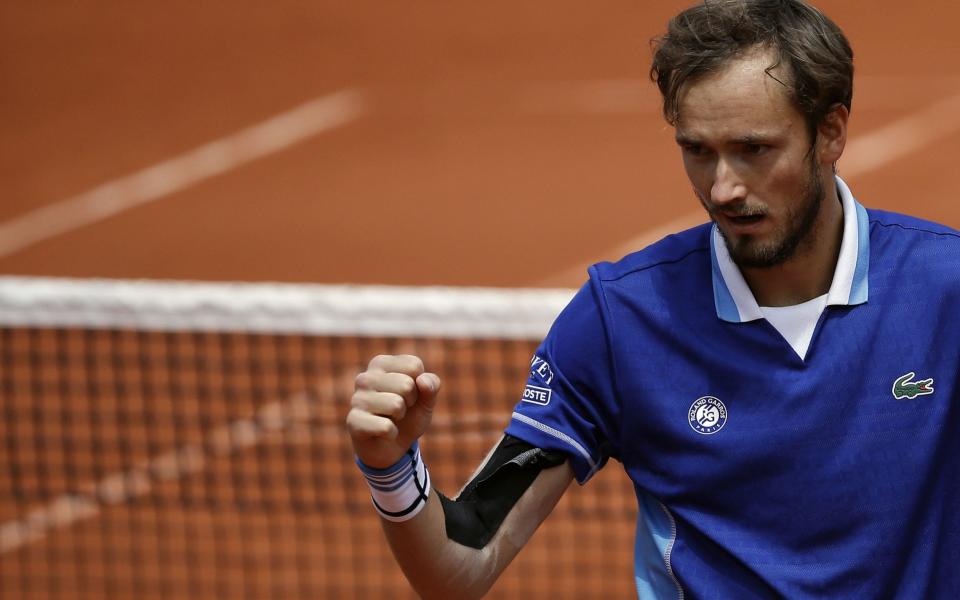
(280, 308)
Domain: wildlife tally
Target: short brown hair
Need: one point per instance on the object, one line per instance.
(703, 38)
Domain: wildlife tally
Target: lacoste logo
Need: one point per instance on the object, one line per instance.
(536, 395)
(903, 388)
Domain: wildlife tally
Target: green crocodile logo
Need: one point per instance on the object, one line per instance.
(903, 388)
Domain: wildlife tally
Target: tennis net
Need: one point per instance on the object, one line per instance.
(186, 440)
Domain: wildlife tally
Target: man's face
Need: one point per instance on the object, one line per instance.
(746, 150)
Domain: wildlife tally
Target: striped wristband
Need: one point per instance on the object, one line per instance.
(401, 490)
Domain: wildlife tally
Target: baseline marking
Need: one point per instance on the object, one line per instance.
(862, 155)
(180, 172)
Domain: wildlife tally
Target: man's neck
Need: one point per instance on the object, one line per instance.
(809, 272)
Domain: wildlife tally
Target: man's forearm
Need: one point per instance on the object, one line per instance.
(436, 566)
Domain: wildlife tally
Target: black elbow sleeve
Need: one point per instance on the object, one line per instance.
(476, 514)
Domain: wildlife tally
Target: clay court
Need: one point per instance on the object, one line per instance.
(498, 144)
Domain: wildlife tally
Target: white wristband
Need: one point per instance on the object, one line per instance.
(401, 490)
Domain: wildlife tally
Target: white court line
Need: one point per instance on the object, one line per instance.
(290, 419)
(173, 175)
(864, 154)
(901, 138)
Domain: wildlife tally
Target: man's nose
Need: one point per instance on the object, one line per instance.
(727, 185)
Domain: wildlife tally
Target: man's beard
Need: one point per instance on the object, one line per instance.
(798, 225)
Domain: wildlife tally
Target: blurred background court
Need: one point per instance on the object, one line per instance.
(499, 144)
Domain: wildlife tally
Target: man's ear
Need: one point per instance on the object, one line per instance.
(832, 135)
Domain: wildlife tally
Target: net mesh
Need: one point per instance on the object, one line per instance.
(149, 462)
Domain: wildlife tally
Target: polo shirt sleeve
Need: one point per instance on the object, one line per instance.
(569, 403)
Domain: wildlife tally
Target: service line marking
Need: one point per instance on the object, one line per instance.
(290, 422)
(287, 421)
(182, 171)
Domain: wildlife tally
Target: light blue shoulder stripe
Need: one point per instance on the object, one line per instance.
(722, 298)
(566, 439)
(656, 535)
(860, 289)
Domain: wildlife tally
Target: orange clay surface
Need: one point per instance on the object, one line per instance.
(496, 145)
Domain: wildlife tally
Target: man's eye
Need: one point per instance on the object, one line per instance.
(693, 149)
(755, 148)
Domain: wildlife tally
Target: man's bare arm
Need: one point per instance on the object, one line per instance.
(438, 567)
(391, 409)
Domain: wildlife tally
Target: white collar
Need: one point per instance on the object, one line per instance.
(735, 302)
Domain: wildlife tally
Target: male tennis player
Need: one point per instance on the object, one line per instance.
(781, 384)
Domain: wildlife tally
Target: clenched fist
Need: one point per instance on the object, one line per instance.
(391, 407)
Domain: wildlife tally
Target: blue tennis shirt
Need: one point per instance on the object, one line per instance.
(760, 474)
